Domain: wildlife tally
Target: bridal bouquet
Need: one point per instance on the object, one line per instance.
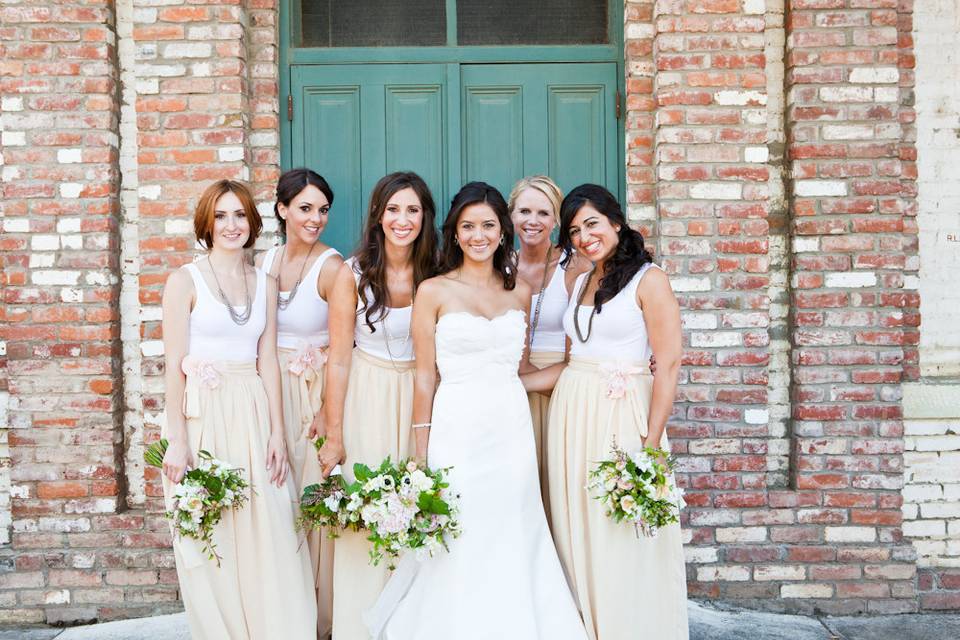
(403, 506)
(200, 498)
(638, 488)
(324, 504)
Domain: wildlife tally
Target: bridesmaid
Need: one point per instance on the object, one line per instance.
(534, 207)
(305, 269)
(369, 389)
(620, 312)
(223, 395)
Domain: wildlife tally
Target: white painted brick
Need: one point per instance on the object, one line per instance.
(639, 30)
(16, 225)
(263, 139)
(148, 86)
(55, 277)
(810, 188)
(100, 278)
(71, 241)
(230, 154)
(149, 192)
(636, 212)
(69, 156)
(716, 191)
(850, 534)
(201, 69)
(740, 534)
(874, 75)
(922, 492)
(70, 189)
(178, 226)
(720, 573)
(938, 443)
(44, 242)
(42, 260)
(700, 555)
(68, 225)
(151, 348)
(754, 7)
(60, 596)
(151, 313)
(756, 154)
(806, 244)
(740, 98)
(144, 15)
(160, 70)
(756, 416)
(11, 103)
(13, 138)
(699, 321)
(924, 528)
(806, 591)
(847, 132)
(911, 283)
(9, 174)
(188, 50)
(690, 284)
(950, 510)
(765, 573)
(716, 339)
(71, 295)
(886, 94)
(851, 279)
(846, 94)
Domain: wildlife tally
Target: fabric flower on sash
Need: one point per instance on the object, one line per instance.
(615, 377)
(199, 373)
(306, 363)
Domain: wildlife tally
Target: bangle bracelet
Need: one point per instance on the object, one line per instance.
(421, 425)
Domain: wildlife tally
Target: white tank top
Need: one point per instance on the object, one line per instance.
(549, 335)
(392, 339)
(213, 334)
(619, 332)
(305, 320)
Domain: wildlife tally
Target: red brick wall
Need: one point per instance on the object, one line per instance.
(769, 160)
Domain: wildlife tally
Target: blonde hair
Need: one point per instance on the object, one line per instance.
(544, 185)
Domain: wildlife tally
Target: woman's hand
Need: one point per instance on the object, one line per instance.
(318, 428)
(177, 460)
(277, 463)
(330, 455)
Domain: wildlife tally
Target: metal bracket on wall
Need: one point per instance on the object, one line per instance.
(290, 107)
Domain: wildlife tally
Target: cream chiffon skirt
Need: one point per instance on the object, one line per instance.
(302, 391)
(626, 586)
(376, 424)
(263, 587)
(539, 413)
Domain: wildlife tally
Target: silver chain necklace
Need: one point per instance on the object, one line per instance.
(283, 303)
(239, 318)
(536, 313)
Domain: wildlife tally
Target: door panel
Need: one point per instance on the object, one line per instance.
(353, 124)
(451, 124)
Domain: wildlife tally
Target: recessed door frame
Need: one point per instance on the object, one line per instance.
(452, 56)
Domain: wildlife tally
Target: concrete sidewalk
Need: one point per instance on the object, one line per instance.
(706, 623)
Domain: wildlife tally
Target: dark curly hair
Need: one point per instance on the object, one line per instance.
(293, 182)
(505, 258)
(371, 256)
(629, 255)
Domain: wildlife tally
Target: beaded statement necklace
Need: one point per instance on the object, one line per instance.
(283, 303)
(239, 317)
(543, 286)
(576, 310)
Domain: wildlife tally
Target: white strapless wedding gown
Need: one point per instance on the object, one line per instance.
(501, 578)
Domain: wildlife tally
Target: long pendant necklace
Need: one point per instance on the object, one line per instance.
(576, 310)
(283, 303)
(239, 318)
(543, 286)
(387, 337)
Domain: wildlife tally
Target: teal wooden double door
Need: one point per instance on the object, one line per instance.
(451, 123)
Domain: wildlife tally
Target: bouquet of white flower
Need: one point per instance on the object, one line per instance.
(403, 506)
(638, 488)
(200, 498)
(323, 504)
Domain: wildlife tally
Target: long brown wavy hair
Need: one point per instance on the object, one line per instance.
(504, 258)
(371, 262)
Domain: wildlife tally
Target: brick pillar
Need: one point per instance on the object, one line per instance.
(853, 228)
(640, 114)
(712, 197)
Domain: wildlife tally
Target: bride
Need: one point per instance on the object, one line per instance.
(501, 577)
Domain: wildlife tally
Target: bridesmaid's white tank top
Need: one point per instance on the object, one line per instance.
(305, 320)
(213, 334)
(392, 329)
(619, 332)
(550, 335)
